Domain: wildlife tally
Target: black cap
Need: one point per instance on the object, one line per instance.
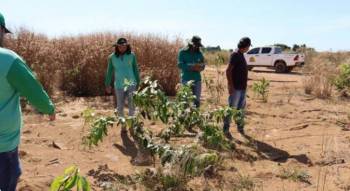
(121, 41)
(2, 23)
(196, 40)
(244, 42)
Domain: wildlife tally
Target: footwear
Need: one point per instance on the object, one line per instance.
(228, 135)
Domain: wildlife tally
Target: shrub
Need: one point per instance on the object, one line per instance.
(342, 81)
(294, 174)
(321, 69)
(212, 57)
(40, 54)
(77, 64)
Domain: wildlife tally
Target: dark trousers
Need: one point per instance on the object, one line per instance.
(10, 170)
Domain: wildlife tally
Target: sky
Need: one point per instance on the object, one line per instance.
(324, 25)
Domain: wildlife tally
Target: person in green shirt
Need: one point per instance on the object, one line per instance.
(191, 63)
(16, 79)
(123, 64)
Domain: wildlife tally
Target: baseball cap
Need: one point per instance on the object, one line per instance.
(196, 40)
(3, 24)
(121, 41)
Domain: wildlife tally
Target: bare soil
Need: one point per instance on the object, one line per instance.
(291, 131)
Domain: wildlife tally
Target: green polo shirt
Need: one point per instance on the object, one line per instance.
(124, 68)
(16, 80)
(186, 59)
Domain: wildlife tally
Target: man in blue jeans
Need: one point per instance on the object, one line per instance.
(191, 63)
(15, 79)
(237, 77)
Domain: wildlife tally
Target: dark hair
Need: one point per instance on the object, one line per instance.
(128, 50)
(244, 43)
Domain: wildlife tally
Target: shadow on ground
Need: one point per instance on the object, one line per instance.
(128, 148)
(269, 152)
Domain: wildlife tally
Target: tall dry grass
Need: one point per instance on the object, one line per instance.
(320, 69)
(77, 64)
(39, 53)
(211, 56)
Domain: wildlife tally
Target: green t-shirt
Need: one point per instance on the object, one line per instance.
(16, 79)
(125, 70)
(186, 59)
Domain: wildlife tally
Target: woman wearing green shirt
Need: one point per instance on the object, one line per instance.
(122, 63)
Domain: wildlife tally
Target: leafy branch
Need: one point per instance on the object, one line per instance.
(69, 180)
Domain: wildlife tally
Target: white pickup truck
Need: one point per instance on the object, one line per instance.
(273, 57)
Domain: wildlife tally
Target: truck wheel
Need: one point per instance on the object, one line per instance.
(280, 67)
(289, 69)
(250, 68)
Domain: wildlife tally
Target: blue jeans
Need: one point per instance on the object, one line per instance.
(196, 90)
(121, 95)
(10, 170)
(237, 101)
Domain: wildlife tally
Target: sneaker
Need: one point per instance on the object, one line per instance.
(228, 135)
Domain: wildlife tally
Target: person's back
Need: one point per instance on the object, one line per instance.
(16, 79)
(10, 112)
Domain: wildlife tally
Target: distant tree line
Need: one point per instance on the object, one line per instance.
(294, 48)
(212, 49)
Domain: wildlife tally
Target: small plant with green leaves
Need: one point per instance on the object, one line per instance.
(342, 81)
(261, 89)
(244, 183)
(176, 115)
(152, 101)
(69, 180)
(295, 175)
(161, 179)
(185, 155)
(89, 115)
(98, 130)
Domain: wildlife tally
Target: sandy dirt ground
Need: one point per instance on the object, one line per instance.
(292, 131)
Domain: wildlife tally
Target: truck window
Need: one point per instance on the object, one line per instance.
(266, 50)
(254, 51)
(278, 50)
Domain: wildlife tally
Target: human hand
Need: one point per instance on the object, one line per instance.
(109, 90)
(197, 68)
(231, 90)
(52, 117)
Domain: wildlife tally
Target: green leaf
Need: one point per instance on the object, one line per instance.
(70, 170)
(83, 184)
(55, 185)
